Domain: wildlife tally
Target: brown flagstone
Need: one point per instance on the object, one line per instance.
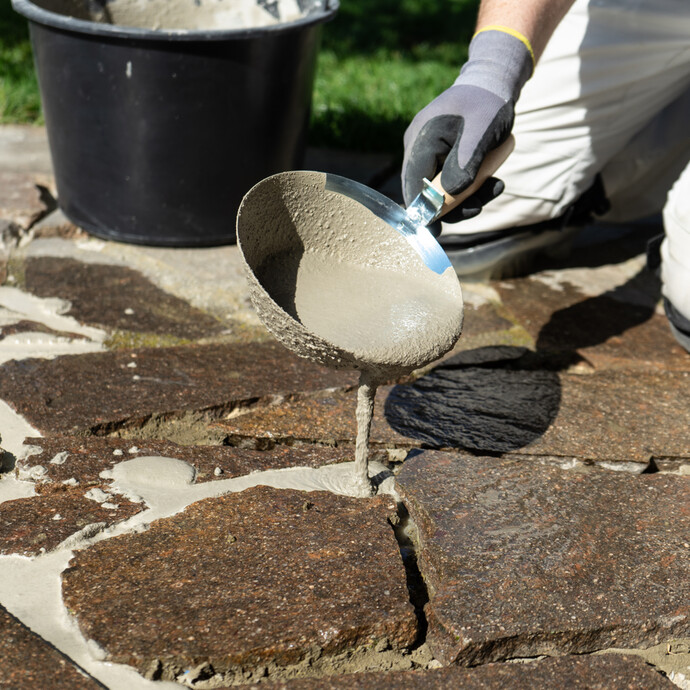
(616, 329)
(82, 459)
(610, 415)
(524, 560)
(102, 390)
(34, 525)
(261, 578)
(327, 418)
(606, 672)
(29, 662)
(126, 299)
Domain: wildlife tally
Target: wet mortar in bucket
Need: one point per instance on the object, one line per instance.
(180, 15)
(338, 285)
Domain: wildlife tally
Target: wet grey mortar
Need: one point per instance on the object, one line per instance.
(315, 259)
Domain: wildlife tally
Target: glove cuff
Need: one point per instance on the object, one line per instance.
(500, 60)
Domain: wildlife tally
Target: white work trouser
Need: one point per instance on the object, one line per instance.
(610, 95)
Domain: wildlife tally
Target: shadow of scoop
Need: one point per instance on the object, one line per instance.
(491, 408)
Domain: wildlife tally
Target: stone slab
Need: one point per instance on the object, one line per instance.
(81, 460)
(29, 662)
(612, 322)
(328, 418)
(34, 525)
(612, 415)
(100, 391)
(21, 202)
(262, 579)
(483, 401)
(610, 672)
(523, 560)
(117, 297)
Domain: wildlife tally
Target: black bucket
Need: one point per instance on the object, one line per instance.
(157, 134)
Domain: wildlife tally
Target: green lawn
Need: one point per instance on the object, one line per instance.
(19, 101)
(381, 61)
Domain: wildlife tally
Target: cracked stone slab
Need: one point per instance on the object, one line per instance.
(126, 301)
(522, 560)
(81, 460)
(29, 662)
(37, 524)
(326, 418)
(609, 672)
(104, 390)
(610, 415)
(613, 322)
(274, 577)
(480, 400)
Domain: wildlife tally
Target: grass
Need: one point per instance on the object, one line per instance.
(380, 62)
(19, 99)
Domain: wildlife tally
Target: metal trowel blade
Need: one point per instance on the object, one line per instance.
(411, 224)
(422, 211)
(425, 244)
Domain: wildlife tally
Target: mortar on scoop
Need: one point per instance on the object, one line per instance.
(335, 283)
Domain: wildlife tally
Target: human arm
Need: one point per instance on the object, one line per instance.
(475, 115)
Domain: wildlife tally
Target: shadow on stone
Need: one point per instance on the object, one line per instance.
(477, 401)
(597, 319)
(500, 399)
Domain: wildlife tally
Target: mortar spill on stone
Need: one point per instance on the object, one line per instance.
(337, 285)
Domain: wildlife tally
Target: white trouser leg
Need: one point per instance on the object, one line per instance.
(610, 69)
(675, 249)
(638, 179)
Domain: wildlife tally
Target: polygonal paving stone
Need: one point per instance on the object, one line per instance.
(104, 390)
(522, 560)
(34, 525)
(605, 672)
(117, 297)
(81, 460)
(20, 199)
(618, 328)
(496, 407)
(263, 578)
(328, 418)
(29, 662)
(611, 415)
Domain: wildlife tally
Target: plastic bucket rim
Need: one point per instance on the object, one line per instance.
(44, 17)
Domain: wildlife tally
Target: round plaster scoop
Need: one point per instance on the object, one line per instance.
(337, 284)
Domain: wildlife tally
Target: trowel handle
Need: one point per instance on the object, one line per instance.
(493, 161)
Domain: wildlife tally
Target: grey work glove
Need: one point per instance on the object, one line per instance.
(475, 115)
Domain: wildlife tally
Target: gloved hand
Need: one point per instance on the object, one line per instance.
(475, 115)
